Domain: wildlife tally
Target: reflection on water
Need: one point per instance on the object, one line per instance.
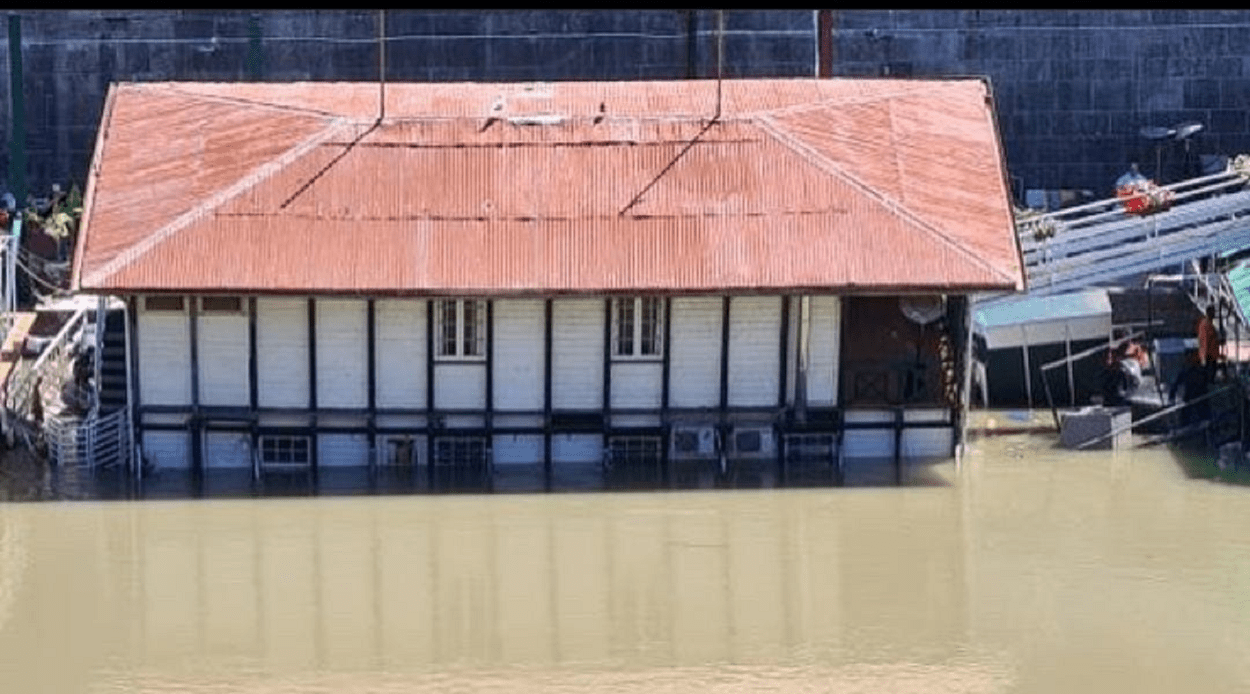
(1028, 570)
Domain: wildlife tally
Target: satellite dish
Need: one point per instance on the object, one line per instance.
(1188, 129)
(1154, 132)
(923, 310)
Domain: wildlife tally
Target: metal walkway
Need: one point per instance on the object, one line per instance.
(1101, 243)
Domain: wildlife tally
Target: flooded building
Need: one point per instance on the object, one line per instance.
(421, 275)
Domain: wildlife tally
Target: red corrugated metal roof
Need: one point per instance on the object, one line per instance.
(544, 188)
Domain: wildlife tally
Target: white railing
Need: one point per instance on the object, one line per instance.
(47, 377)
(1100, 242)
(9, 246)
(89, 441)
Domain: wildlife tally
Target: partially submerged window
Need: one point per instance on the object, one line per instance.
(460, 451)
(221, 304)
(460, 326)
(285, 451)
(163, 303)
(638, 327)
(633, 450)
(399, 452)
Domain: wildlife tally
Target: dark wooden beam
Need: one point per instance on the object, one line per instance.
(824, 42)
(371, 371)
(724, 357)
(547, 394)
(429, 391)
(607, 370)
(312, 388)
(197, 434)
(666, 387)
(132, 326)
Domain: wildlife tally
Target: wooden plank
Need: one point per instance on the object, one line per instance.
(11, 351)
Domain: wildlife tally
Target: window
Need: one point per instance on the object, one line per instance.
(284, 451)
(637, 327)
(460, 326)
(460, 451)
(162, 303)
(399, 452)
(635, 450)
(221, 304)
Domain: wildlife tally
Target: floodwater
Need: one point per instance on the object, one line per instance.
(1027, 569)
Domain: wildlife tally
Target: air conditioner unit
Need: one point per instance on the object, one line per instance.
(694, 442)
(753, 442)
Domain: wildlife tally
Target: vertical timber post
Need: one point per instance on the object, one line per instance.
(313, 453)
(197, 424)
(547, 315)
(253, 387)
(17, 113)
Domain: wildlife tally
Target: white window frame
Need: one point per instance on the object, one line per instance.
(271, 443)
(466, 345)
(630, 346)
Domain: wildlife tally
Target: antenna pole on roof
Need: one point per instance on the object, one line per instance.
(381, 65)
(720, 53)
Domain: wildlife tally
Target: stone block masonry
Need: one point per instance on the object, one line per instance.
(1073, 88)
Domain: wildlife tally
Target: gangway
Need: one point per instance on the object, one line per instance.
(1104, 243)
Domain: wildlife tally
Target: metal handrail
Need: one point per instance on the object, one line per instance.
(50, 367)
(93, 440)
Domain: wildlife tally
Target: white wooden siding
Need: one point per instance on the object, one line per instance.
(637, 384)
(515, 449)
(342, 353)
(694, 359)
(518, 357)
(577, 448)
(223, 358)
(754, 350)
(342, 450)
(823, 349)
(164, 358)
(916, 443)
(167, 449)
(227, 449)
(928, 443)
(282, 352)
(400, 353)
(577, 354)
(868, 443)
(460, 385)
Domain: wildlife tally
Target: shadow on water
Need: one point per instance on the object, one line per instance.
(23, 478)
(1199, 462)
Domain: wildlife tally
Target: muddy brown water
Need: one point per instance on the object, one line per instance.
(1027, 569)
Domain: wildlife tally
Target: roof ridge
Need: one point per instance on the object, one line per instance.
(852, 100)
(175, 87)
(822, 162)
(186, 219)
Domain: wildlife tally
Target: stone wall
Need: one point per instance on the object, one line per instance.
(1073, 88)
(69, 58)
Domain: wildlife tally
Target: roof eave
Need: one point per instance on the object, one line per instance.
(88, 204)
